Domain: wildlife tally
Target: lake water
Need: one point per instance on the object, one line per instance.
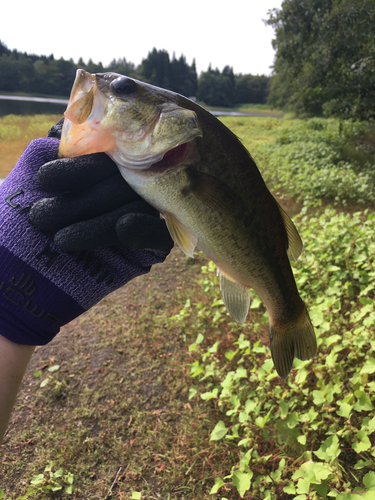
(17, 105)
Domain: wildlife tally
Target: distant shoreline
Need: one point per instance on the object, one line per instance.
(34, 99)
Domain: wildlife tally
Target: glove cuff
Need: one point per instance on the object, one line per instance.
(32, 308)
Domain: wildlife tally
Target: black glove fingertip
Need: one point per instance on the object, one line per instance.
(140, 231)
(55, 130)
(74, 174)
(44, 215)
(85, 236)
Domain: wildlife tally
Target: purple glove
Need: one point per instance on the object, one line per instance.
(41, 287)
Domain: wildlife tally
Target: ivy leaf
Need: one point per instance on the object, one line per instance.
(363, 403)
(345, 410)
(321, 489)
(261, 421)
(193, 391)
(329, 450)
(38, 479)
(219, 431)
(318, 397)
(241, 372)
(56, 488)
(292, 420)
(53, 368)
(218, 484)
(371, 425)
(303, 486)
(302, 439)
(242, 481)
(250, 406)
(58, 473)
(369, 480)
(284, 407)
(210, 395)
(315, 472)
(69, 489)
(290, 489)
(362, 443)
(368, 367)
(230, 354)
(200, 338)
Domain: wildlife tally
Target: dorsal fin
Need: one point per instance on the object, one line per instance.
(236, 297)
(295, 245)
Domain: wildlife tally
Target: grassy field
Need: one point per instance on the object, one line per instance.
(15, 134)
(156, 393)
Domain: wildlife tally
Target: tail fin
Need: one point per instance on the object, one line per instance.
(294, 340)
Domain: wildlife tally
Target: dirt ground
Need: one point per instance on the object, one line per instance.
(117, 409)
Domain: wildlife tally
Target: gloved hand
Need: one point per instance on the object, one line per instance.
(42, 287)
(94, 207)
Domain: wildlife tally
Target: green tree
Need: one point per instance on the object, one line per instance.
(175, 75)
(183, 78)
(252, 89)
(216, 88)
(156, 68)
(9, 74)
(4, 49)
(63, 75)
(121, 66)
(325, 57)
(45, 78)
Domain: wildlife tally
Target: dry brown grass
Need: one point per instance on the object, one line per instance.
(15, 134)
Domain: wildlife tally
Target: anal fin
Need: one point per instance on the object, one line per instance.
(236, 297)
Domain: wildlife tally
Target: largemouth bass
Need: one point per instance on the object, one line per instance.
(198, 175)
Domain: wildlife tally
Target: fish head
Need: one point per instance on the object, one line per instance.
(136, 124)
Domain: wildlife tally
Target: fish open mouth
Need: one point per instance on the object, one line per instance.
(171, 158)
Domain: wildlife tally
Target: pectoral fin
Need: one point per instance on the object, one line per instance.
(180, 235)
(211, 191)
(236, 297)
(295, 245)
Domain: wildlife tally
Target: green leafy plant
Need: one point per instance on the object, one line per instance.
(311, 436)
(48, 481)
(320, 159)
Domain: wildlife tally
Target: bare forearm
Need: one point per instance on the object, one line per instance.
(14, 359)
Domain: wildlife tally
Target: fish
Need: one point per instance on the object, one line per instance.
(189, 166)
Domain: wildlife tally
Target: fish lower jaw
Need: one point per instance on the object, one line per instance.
(133, 162)
(159, 163)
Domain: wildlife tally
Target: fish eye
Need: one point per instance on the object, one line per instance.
(124, 86)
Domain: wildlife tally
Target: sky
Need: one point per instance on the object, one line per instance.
(213, 32)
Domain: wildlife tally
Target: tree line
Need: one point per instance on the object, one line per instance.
(325, 57)
(30, 73)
